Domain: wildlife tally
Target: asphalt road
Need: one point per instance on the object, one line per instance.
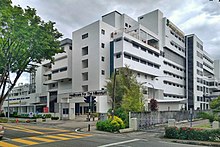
(49, 136)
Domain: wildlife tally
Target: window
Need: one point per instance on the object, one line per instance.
(145, 76)
(85, 76)
(63, 69)
(127, 56)
(103, 32)
(135, 45)
(85, 36)
(85, 88)
(85, 51)
(138, 74)
(118, 55)
(70, 47)
(55, 71)
(143, 61)
(126, 24)
(103, 72)
(65, 110)
(85, 63)
(103, 58)
(103, 45)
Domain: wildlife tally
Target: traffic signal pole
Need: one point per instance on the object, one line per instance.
(90, 100)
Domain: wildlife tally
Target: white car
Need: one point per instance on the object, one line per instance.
(2, 130)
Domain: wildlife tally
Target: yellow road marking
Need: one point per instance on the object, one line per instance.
(5, 144)
(34, 127)
(42, 139)
(28, 128)
(72, 136)
(80, 134)
(57, 137)
(25, 141)
(22, 129)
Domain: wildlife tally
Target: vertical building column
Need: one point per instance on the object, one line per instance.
(72, 111)
(48, 101)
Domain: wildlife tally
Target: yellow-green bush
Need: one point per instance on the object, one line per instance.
(110, 125)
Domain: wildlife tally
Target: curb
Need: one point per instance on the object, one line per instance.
(198, 143)
(194, 142)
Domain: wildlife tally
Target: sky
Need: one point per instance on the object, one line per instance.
(200, 17)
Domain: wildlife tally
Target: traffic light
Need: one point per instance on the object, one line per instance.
(93, 99)
(87, 99)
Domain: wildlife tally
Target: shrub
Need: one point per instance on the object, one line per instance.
(121, 113)
(110, 125)
(48, 116)
(192, 134)
(54, 118)
(171, 132)
(3, 120)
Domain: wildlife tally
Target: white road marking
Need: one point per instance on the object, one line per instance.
(117, 143)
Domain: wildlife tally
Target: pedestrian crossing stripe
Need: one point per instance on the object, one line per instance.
(41, 128)
(57, 137)
(24, 141)
(18, 128)
(5, 144)
(41, 139)
(30, 129)
(71, 136)
(73, 133)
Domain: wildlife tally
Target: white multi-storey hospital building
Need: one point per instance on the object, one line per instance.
(173, 66)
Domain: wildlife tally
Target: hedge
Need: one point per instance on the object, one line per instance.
(187, 133)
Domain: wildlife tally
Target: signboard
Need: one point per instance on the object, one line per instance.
(45, 109)
(83, 94)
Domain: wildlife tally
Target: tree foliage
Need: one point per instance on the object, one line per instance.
(215, 104)
(128, 94)
(24, 39)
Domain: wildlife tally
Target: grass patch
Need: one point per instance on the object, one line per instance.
(203, 126)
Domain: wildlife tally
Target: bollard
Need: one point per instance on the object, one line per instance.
(88, 127)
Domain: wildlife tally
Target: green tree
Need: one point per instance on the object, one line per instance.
(215, 104)
(128, 94)
(24, 39)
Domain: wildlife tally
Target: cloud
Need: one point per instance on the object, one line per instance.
(201, 17)
(25, 78)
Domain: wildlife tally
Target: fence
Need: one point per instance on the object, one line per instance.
(147, 120)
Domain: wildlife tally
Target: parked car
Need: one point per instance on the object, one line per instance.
(2, 130)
